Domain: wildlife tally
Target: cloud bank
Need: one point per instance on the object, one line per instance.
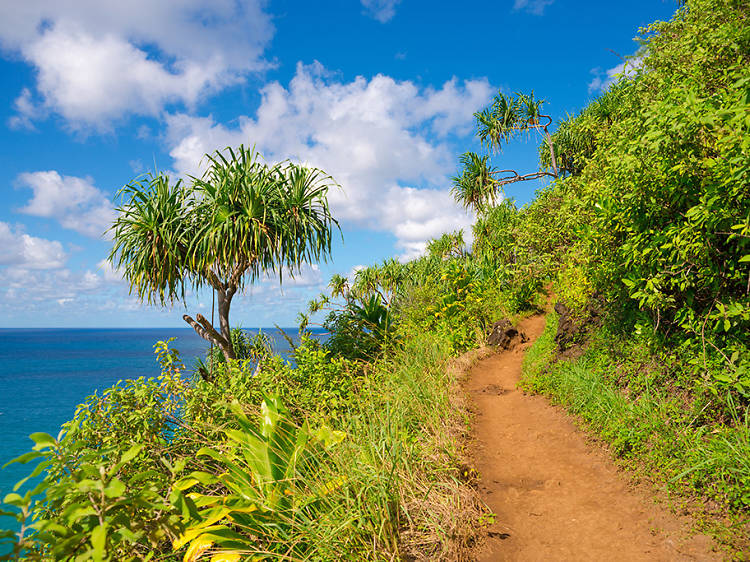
(385, 142)
(97, 61)
(74, 202)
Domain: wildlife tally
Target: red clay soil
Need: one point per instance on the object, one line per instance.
(556, 494)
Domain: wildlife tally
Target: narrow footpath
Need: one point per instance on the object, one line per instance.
(557, 495)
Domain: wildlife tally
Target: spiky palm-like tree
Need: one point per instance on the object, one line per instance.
(506, 117)
(382, 280)
(242, 219)
(450, 244)
(339, 286)
(475, 187)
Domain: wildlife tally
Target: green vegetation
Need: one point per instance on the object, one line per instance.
(241, 218)
(353, 450)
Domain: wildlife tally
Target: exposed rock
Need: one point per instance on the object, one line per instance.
(504, 336)
(566, 327)
(572, 329)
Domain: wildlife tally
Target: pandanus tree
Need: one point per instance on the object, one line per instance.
(242, 219)
(504, 119)
(450, 244)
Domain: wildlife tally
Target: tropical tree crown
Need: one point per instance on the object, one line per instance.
(240, 219)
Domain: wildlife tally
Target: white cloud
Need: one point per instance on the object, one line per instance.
(33, 288)
(534, 7)
(109, 274)
(25, 252)
(381, 10)
(99, 60)
(308, 276)
(379, 138)
(418, 215)
(603, 79)
(26, 111)
(74, 202)
(353, 272)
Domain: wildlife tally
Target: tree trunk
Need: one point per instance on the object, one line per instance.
(225, 300)
(551, 152)
(205, 330)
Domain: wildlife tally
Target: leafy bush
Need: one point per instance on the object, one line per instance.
(260, 492)
(105, 491)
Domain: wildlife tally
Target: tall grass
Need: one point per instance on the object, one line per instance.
(251, 479)
(402, 460)
(395, 488)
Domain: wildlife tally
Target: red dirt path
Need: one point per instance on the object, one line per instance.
(557, 495)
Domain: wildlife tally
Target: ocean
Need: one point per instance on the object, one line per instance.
(46, 373)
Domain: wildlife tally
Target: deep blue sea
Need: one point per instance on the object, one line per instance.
(46, 373)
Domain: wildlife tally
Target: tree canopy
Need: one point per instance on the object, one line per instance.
(241, 219)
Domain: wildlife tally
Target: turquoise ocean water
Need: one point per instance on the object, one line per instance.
(46, 373)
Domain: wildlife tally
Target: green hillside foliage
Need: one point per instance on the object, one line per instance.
(353, 450)
(660, 191)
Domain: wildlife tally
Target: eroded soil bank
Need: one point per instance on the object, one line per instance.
(558, 495)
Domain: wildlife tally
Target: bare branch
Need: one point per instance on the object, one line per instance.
(517, 177)
(236, 277)
(214, 280)
(210, 329)
(212, 336)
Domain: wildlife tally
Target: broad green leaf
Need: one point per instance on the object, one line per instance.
(42, 440)
(191, 534)
(14, 500)
(197, 548)
(131, 453)
(226, 557)
(99, 541)
(23, 459)
(115, 488)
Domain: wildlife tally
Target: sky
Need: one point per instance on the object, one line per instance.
(380, 94)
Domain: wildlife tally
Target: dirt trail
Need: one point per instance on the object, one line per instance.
(558, 496)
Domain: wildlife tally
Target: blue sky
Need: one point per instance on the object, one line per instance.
(378, 93)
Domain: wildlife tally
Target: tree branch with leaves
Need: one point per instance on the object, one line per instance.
(504, 119)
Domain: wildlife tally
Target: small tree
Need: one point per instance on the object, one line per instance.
(241, 219)
(505, 118)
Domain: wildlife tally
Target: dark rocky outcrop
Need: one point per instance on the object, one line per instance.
(573, 329)
(504, 336)
(567, 328)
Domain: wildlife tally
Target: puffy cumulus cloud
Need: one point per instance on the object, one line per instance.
(98, 60)
(418, 215)
(80, 294)
(387, 143)
(74, 202)
(33, 276)
(534, 7)
(35, 290)
(381, 10)
(24, 252)
(309, 275)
